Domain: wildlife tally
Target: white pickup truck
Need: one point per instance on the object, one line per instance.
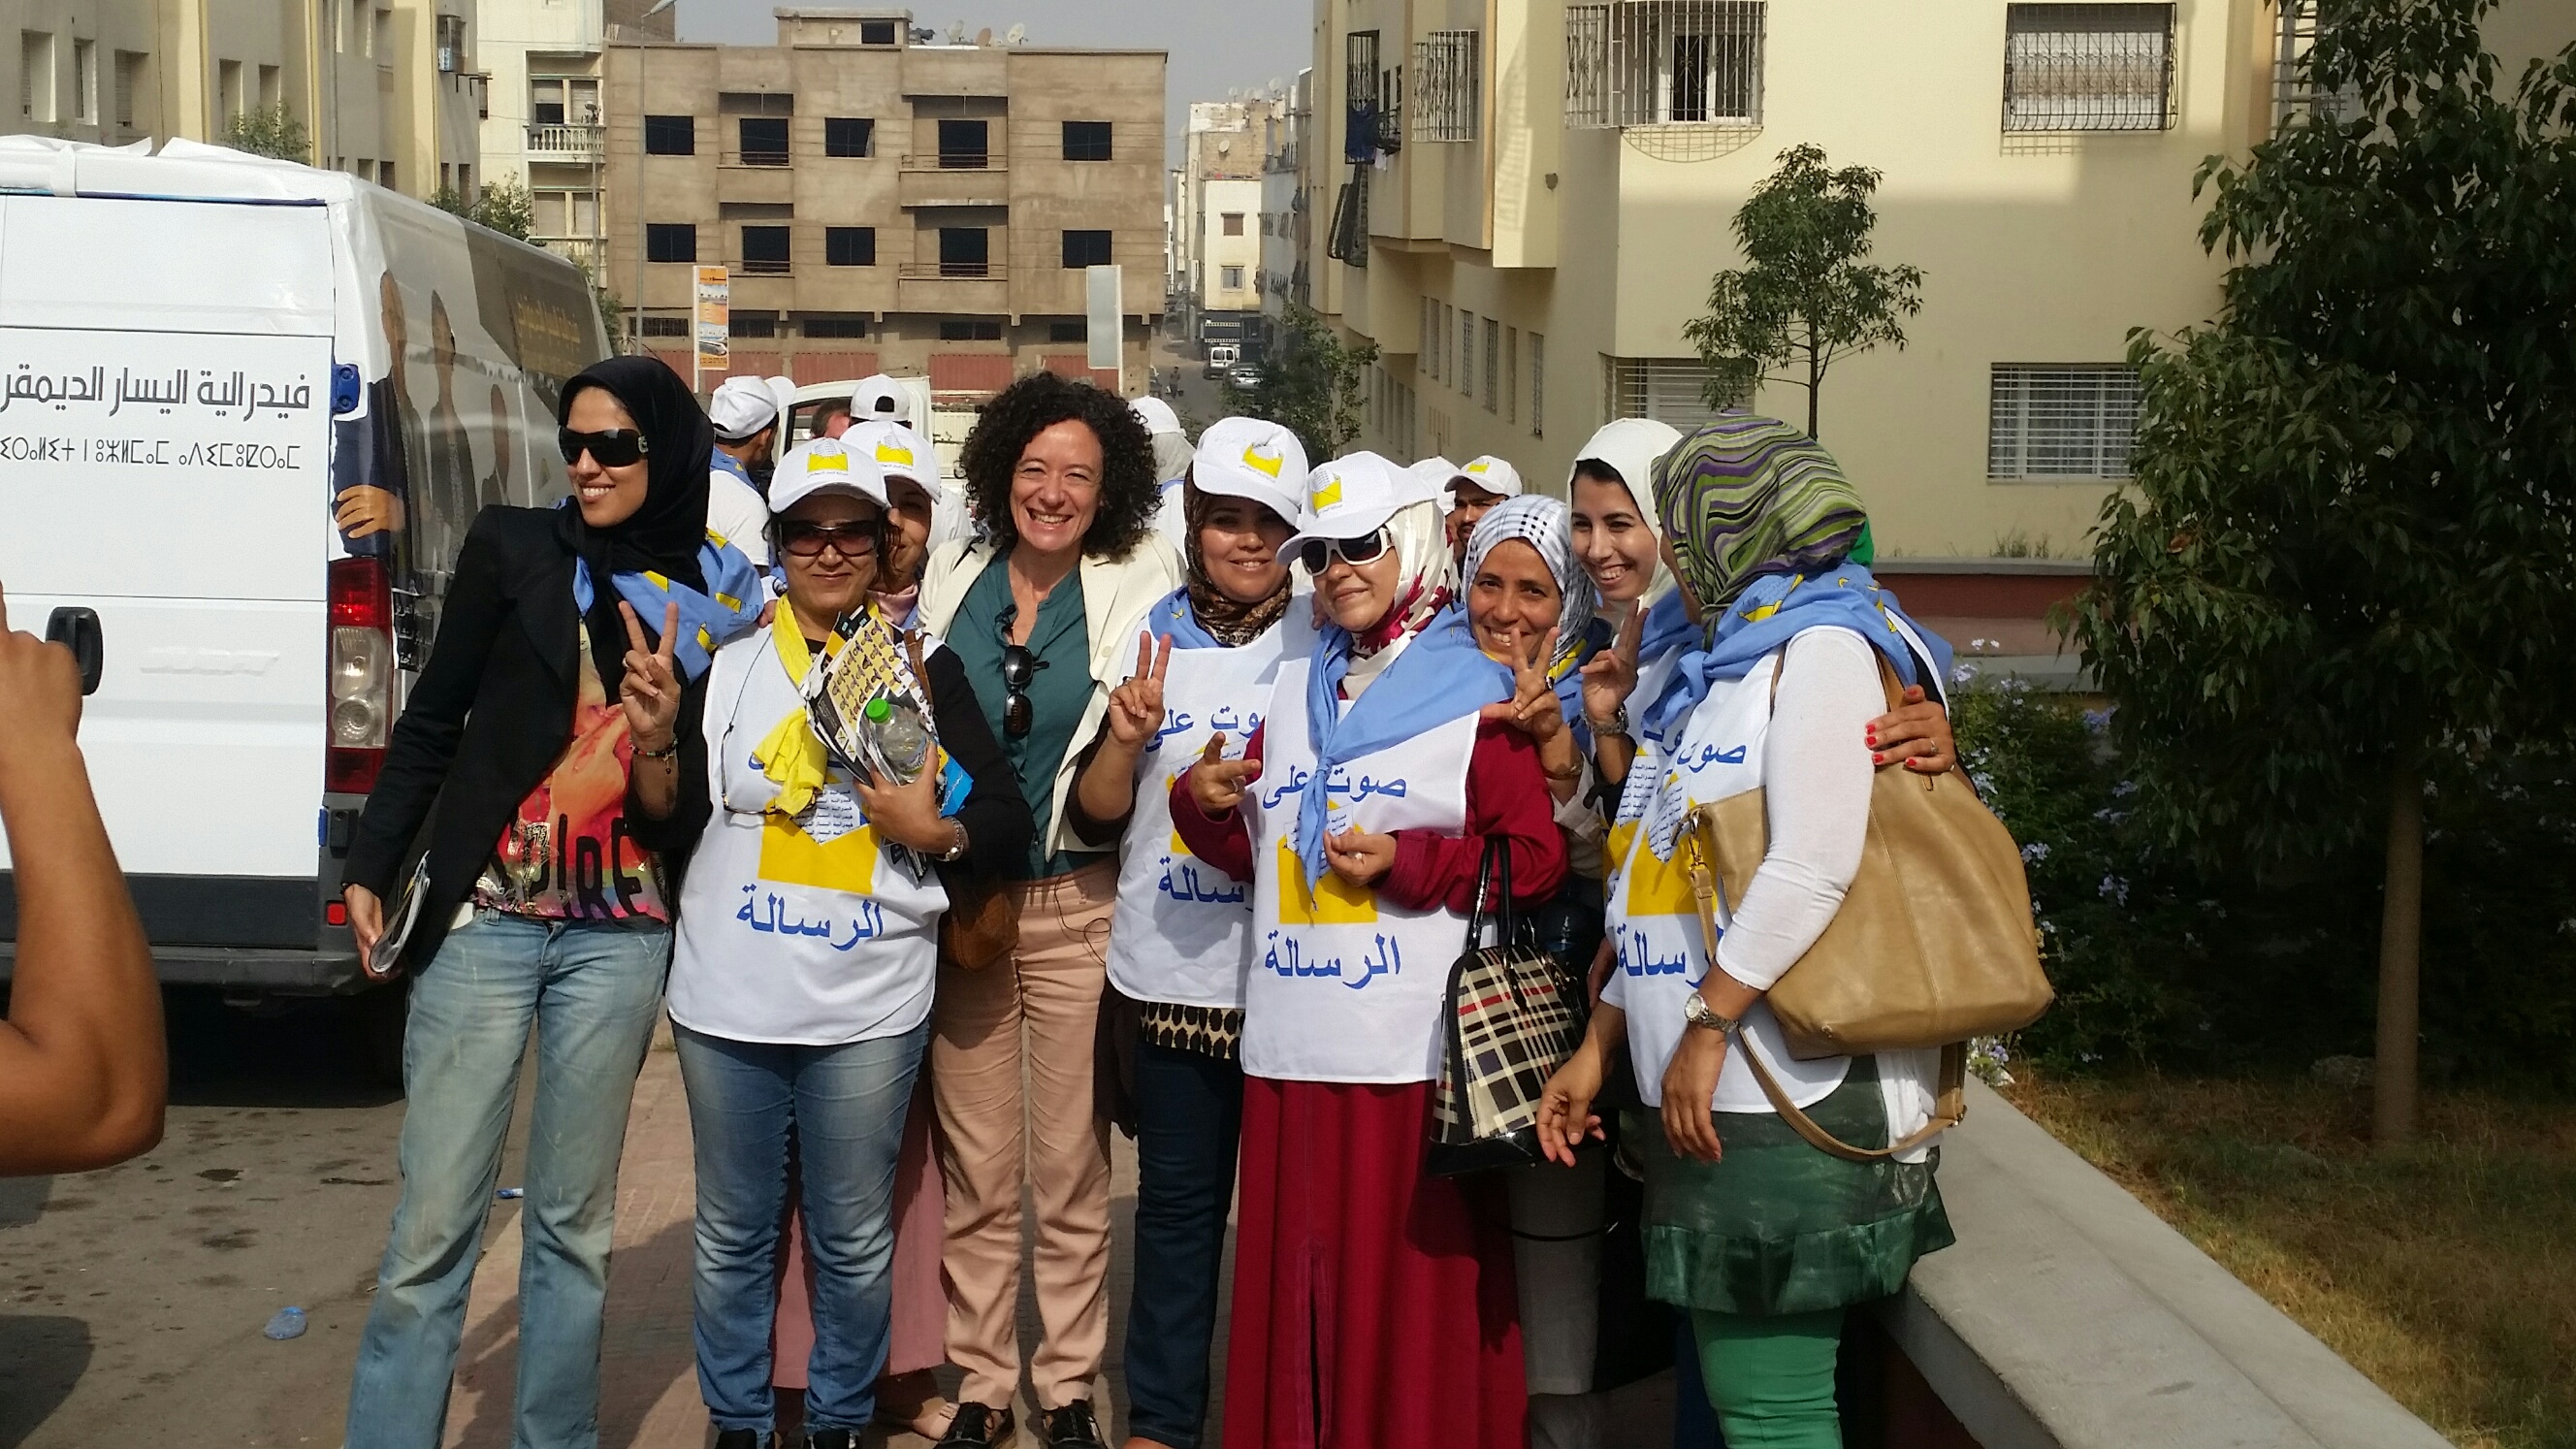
(247, 411)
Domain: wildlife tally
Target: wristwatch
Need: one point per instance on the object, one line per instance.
(1697, 1012)
(956, 848)
(1617, 725)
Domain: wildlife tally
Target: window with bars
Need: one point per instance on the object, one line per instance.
(1664, 63)
(2088, 67)
(1511, 374)
(1493, 361)
(1538, 385)
(765, 249)
(2297, 95)
(666, 326)
(1668, 389)
(845, 325)
(2061, 420)
(1430, 344)
(1466, 353)
(764, 140)
(1448, 85)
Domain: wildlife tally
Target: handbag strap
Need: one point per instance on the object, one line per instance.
(920, 673)
(1484, 907)
(1948, 1111)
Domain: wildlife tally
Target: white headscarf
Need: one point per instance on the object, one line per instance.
(1426, 581)
(1630, 447)
(1547, 525)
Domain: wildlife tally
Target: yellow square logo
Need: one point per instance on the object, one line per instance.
(894, 453)
(1654, 887)
(1259, 462)
(1338, 903)
(789, 856)
(1326, 494)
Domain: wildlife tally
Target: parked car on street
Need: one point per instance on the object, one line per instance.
(1245, 376)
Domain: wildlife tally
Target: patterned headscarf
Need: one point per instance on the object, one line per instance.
(1233, 624)
(1748, 496)
(1426, 577)
(1547, 525)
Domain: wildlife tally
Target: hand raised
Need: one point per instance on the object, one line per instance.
(1217, 783)
(1533, 707)
(1136, 706)
(1610, 675)
(650, 693)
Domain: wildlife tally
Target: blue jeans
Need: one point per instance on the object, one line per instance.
(591, 990)
(1189, 1119)
(847, 1104)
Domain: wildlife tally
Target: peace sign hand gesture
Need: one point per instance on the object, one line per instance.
(1533, 707)
(1610, 675)
(1217, 783)
(1136, 707)
(650, 693)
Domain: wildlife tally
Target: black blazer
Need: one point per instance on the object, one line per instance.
(490, 715)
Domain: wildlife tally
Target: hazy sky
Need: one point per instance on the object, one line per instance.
(1214, 43)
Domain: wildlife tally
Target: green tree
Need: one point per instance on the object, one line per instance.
(2342, 573)
(501, 205)
(1807, 297)
(1313, 384)
(269, 131)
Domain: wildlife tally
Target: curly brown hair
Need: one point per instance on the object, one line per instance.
(1030, 406)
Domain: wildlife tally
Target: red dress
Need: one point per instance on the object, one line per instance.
(1374, 1306)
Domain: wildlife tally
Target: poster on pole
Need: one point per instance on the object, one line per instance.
(714, 327)
(1104, 299)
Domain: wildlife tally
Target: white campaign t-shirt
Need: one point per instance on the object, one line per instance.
(736, 514)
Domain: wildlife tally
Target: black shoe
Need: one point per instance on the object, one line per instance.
(1071, 1427)
(977, 1427)
(741, 1439)
(830, 1439)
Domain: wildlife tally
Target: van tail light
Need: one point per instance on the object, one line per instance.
(362, 674)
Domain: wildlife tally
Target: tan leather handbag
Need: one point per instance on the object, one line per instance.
(1933, 944)
(982, 922)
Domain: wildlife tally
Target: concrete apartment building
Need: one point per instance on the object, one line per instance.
(1217, 218)
(886, 203)
(386, 89)
(1286, 220)
(1529, 198)
(545, 128)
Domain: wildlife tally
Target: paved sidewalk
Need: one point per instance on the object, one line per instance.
(648, 1378)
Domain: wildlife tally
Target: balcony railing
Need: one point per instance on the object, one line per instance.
(958, 161)
(567, 142)
(913, 271)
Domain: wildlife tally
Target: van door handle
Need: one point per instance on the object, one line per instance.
(78, 630)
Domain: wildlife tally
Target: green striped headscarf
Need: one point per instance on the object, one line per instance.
(1748, 496)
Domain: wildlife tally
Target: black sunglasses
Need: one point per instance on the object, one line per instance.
(808, 540)
(1317, 554)
(612, 449)
(1019, 669)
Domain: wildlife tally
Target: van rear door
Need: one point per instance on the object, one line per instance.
(165, 432)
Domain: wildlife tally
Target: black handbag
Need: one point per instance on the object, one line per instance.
(1515, 1014)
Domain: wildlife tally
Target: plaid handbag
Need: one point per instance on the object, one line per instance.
(1515, 1015)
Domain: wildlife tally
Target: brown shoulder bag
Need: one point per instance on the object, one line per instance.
(982, 922)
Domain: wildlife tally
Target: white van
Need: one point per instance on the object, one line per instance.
(247, 411)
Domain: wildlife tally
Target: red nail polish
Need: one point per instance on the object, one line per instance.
(1877, 759)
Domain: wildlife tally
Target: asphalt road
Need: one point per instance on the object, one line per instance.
(131, 1300)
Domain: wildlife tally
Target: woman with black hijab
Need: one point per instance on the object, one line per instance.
(555, 728)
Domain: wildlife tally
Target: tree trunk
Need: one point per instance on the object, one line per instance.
(1815, 382)
(2401, 934)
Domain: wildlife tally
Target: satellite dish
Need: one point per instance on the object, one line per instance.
(1016, 35)
(957, 32)
(984, 36)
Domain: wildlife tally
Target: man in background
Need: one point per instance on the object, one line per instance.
(745, 414)
(84, 1074)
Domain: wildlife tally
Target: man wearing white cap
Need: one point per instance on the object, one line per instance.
(1471, 488)
(879, 398)
(745, 414)
(913, 495)
(1172, 454)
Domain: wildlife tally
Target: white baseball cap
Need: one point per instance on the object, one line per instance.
(1352, 497)
(878, 398)
(741, 407)
(1250, 458)
(1156, 415)
(1434, 473)
(824, 465)
(1487, 472)
(782, 390)
(899, 452)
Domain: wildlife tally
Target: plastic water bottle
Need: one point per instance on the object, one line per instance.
(897, 737)
(289, 1323)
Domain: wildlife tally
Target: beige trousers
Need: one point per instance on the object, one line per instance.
(1010, 1056)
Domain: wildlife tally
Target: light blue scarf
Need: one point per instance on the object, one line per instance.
(1777, 608)
(1440, 676)
(1172, 615)
(728, 610)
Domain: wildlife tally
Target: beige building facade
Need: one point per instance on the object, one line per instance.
(1552, 186)
(385, 89)
(1217, 218)
(886, 204)
(545, 128)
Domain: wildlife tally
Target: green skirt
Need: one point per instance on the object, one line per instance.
(1776, 1226)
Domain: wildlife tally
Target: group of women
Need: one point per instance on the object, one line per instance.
(1204, 837)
